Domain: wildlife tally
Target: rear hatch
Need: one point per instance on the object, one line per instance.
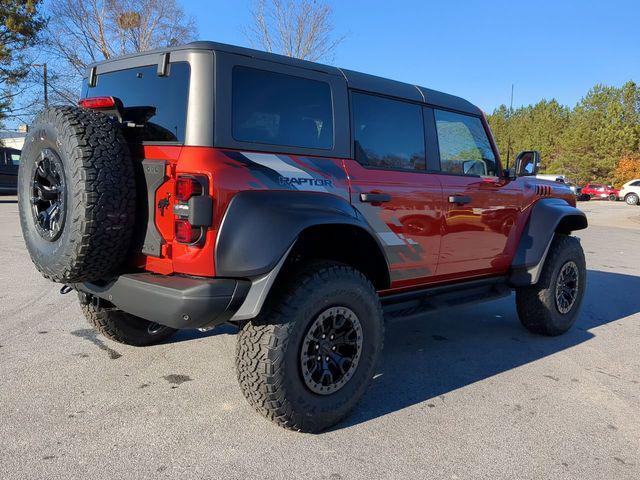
(152, 106)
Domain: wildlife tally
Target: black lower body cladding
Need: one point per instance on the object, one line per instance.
(77, 195)
(174, 301)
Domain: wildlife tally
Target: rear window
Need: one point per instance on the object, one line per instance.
(158, 105)
(388, 133)
(277, 109)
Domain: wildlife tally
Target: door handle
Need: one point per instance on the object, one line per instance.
(459, 199)
(375, 197)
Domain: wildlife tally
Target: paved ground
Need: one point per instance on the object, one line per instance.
(464, 394)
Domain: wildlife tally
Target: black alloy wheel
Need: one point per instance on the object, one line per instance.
(567, 287)
(331, 350)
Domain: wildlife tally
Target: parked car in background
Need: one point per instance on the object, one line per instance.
(9, 162)
(600, 191)
(630, 192)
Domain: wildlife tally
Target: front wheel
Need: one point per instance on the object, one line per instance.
(551, 306)
(632, 199)
(308, 358)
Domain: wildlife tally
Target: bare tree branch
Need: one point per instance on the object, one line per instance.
(295, 28)
(81, 32)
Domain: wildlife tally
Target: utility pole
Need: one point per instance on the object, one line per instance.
(46, 86)
(509, 127)
(46, 83)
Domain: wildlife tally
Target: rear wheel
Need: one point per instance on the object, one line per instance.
(632, 199)
(551, 306)
(125, 328)
(613, 197)
(308, 358)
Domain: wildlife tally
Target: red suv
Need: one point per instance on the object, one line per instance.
(600, 191)
(209, 184)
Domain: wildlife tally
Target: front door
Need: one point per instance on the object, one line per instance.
(390, 185)
(481, 208)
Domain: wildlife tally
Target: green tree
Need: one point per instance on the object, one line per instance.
(584, 143)
(533, 127)
(20, 24)
(604, 127)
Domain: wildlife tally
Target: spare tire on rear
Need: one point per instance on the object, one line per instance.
(76, 194)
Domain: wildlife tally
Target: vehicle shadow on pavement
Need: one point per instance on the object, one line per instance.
(188, 335)
(3, 200)
(430, 356)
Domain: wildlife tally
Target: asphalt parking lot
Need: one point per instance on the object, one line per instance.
(464, 394)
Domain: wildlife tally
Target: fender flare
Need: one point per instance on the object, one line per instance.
(548, 217)
(260, 227)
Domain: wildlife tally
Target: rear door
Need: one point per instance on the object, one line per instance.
(481, 208)
(391, 186)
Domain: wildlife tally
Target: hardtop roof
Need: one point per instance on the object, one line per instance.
(355, 80)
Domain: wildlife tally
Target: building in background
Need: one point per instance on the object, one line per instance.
(12, 138)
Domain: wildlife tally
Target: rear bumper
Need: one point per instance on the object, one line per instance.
(174, 301)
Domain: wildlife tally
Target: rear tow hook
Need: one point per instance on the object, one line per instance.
(65, 289)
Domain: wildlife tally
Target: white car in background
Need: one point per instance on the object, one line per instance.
(630, 192)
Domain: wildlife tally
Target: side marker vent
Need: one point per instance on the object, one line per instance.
(543, 190)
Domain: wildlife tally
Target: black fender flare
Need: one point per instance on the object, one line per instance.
(548, 217)
(260, 226)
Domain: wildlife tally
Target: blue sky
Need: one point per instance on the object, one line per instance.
(475, 49)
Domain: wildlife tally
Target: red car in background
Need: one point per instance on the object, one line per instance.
(600, 191)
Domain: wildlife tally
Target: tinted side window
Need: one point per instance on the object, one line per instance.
(388, 133)
(464, 145)
(636, 184)
(278, 109)
(160, 103)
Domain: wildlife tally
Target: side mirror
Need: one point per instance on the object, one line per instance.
(527, 163)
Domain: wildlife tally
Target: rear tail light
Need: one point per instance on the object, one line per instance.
(187, 187)
(187, 233)
(193, 209)
(97, 102)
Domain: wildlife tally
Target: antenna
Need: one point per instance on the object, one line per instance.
(509, 125)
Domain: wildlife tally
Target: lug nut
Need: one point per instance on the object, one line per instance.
(319, 358)
(327, 359)
(333, 348)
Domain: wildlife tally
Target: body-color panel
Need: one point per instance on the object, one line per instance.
(408, 225)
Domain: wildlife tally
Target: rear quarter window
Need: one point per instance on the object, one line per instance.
(278, 109)
(157, 105)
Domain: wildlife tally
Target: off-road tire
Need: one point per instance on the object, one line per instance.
(125, 328)
(268, 348)
(99, 194)
(632, 199)
(536, 304)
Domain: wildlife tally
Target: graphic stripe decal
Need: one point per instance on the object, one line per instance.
(283, 168)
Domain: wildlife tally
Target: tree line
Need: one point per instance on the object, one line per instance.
(597, 140)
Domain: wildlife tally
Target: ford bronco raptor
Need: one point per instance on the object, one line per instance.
(209, 184)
